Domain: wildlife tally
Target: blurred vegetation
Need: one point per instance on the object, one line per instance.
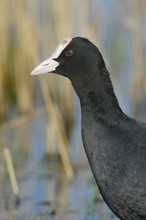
(29, 30)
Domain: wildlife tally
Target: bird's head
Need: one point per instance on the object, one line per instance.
(75, 58)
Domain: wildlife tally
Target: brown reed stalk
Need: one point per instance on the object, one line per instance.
(23, 57)
(11, 171)
(21, 120)
(139, 68)
(4, 25)
(56, 121)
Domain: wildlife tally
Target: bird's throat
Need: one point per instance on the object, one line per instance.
(98, 101)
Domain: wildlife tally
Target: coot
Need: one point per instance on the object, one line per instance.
(115, 144)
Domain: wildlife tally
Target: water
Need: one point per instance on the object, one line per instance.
(44, 188)
(45, 192)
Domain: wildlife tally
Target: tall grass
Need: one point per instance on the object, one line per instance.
(29, 31)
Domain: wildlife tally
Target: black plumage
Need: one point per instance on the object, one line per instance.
(115, 144)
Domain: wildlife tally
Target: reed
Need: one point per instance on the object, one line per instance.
(11, 171)
(139, 75)
(26, 37)
(26, 41)
(29, 31)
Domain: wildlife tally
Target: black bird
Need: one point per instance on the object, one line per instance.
(115, 144)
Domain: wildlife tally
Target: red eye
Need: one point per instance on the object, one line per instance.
(68, 53)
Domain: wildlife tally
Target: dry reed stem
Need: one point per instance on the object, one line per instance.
(4, 25)
(11, 171)
(51, 139)
(61, 12)
(16, 43)
(56, 121)
(139, 76)
(23, 56)
(20, 120)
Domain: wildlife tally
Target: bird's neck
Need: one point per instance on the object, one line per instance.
(98, 101)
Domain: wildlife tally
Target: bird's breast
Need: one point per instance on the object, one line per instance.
(115, 173)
